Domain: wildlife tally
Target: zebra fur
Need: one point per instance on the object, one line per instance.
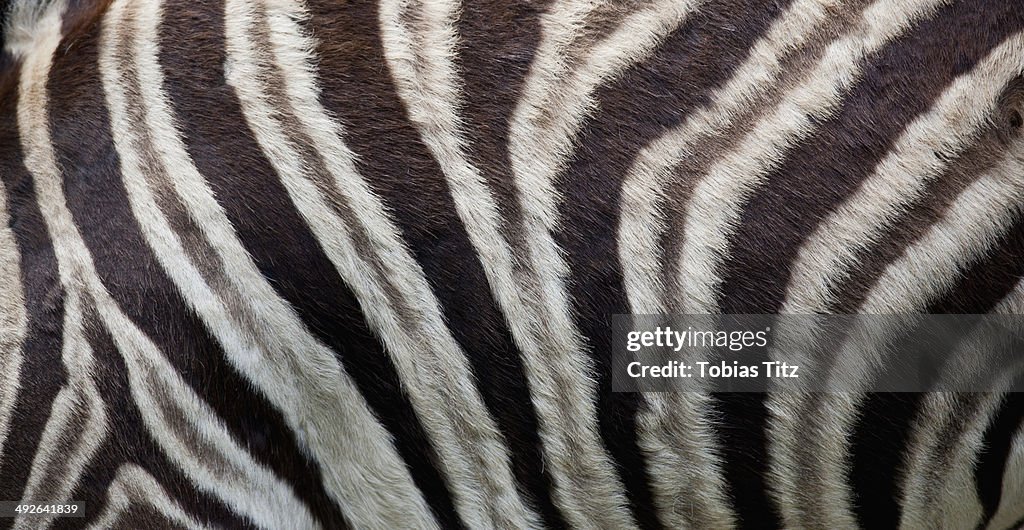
(317, 264)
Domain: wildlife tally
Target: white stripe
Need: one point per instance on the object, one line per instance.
(557, 97)
(133, 486)
(807, 427)
(940, 492)
(682, 461)
(24, 24)
(925, 474)
(900, 178)
(245, 481)
(267, 342)
(67, 425)
(719, 196)
(13, 321)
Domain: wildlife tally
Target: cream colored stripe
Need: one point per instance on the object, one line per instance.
(558, 92)
(421, 61)
(926, 473)
(719, 196)
(901, 177)
(13, 321)
(971, 225)
(133, 486)
(418, 42)
(259, 331)
(938, 489)
(939, 486)
(676, 435)
(238, 481)
(804, 429)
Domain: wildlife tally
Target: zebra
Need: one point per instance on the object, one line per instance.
(318, 264)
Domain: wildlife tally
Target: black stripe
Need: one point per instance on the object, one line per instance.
(358, 89)
(939, 195)
(883, 428)
(498, 41)
(878, 448)
(878, 451)
(979, 289)
(42, 370)
(130, 272)
(281, 245)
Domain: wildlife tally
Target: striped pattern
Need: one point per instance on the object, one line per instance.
(314, 264)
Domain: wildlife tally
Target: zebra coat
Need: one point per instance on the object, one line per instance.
(316, 263)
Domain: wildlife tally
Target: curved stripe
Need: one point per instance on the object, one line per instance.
(573, 58)
(287, 255)
(964, 108)
(970, 227)
(182, 424)
(1001, 466)
(418, 43)
(938, 462)
(81, 136)
(645, 187)
(40, 285)
(641, 226)
(130, 443)
(13, 314)
(995, 477)
(983, 212)
(910, 223)
(938, 484)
